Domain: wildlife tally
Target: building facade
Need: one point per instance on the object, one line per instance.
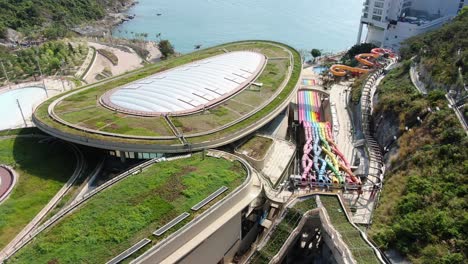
(389, 22)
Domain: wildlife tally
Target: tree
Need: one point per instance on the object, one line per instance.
(348, 58)
(3, 32)
(315, 53)
(166, 48)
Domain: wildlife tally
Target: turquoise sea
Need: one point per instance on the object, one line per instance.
(331, 25)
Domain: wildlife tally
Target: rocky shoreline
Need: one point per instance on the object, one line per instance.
(115, 16)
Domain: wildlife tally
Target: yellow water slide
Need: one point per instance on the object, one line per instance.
(341, 70)
(364, 58)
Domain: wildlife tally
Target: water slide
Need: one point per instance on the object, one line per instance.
(341, 70)
(366, 59)
(344, 165)
(382, 52)
(320, 151)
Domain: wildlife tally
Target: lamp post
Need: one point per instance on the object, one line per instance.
(21, 111)
(42, 77)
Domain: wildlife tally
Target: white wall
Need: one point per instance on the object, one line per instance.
(406, 30)
(394, 10)
(213, 249)
(446, 7)
(375, 35)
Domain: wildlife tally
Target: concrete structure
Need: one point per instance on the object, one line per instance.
(188, 88)
(216, 235)
(188, 92)
(389, 22)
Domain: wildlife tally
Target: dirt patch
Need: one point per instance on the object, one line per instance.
(256, 147)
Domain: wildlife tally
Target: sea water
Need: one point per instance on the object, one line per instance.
(329, 25)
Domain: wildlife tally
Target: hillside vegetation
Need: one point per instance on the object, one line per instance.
(442, 51)
(50, 17)
(49, 56)
(423, 208)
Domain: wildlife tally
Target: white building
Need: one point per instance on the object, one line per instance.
(389, 22)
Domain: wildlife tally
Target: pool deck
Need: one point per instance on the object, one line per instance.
(54, 87)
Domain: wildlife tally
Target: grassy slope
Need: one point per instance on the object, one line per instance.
(423, 207)
(42, 169)
(361, 251)
(131, 210)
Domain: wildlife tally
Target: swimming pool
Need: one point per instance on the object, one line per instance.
(28, 97)
(320, 69)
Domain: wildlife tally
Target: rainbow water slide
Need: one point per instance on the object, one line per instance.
(337, 177)
(320, 151)
(322, 176)
(307, 162)
(345, 164)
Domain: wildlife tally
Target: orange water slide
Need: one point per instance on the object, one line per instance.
(365, 58)
(341, 70)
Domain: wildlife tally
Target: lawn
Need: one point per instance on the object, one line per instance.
(80, 104)
(43, 168)
(132, 209)
(256, 147)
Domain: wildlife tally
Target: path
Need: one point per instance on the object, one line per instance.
(365, 202)
(127, 60)
(8, 178)
(82, 71)
(421, 87)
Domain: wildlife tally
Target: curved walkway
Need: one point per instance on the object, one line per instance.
(87, 63)
(371, 189)
(25, 235)
(8, 179)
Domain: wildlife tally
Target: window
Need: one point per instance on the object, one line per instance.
(379, 4)
(378, 11)
(376, 18)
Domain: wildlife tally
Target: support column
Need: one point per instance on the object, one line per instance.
(360, 33)
(122, 156)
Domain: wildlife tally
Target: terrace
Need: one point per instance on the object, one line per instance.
(132, 209)
(80, 116)
(37, 164)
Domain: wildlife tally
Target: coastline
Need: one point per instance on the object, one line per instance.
(115, 15)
